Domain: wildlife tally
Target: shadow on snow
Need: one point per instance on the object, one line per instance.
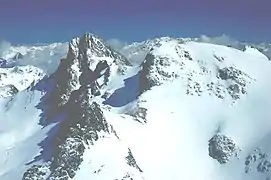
(126, 94)
(46, 85)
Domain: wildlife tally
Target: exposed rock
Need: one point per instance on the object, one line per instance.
(264, 166)
(131, 161)
(220, 59)
(89, 61)
(17, 56)
(222, 148)
(147, 80)
(78, 79)
(106, 95)
(194, 88)
(230, 73)
(187, 55)
(85, 121)
(138, 113)
(8, 90)
(257, 161)
(237, 79)
(37, 172)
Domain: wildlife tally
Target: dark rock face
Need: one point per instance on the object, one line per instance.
(6, 64)
(146, 79)
(127, 176)
(12, 89)
(106, 95)
(87, 60)
(8, 91)
(84, 122)
(17, 56)
(238, 81)
(229, 73)
(66, 82)
(76, 83)
(131, 161)
(88, 76)
(3, 62)
(222, 148)
(258, 161)
(37, 172)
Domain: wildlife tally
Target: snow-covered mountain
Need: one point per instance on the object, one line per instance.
(163, 109)
(44, 56)
(18, 78)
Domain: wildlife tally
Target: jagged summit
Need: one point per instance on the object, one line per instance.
(89, 62)
(91, 46)
(89, 66)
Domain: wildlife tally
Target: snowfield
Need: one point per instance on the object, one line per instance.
(161, 131)
(20, 133)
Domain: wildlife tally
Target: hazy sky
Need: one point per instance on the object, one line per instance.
(32, 21)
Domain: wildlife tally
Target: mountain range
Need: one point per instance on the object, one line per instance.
(162, 109)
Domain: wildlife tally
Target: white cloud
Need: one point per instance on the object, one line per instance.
(222, 40)
(116, 44)
(46, 57)
(4, 46)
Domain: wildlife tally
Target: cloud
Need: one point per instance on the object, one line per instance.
(135, 54)
(45, 57)
(4, 46)
(229, 41)
(116, 44)
(222, 40)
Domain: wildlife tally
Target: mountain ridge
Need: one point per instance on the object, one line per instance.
(178, 109)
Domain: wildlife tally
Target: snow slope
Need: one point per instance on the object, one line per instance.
(179, 125)
(186, 110)
(20, 133)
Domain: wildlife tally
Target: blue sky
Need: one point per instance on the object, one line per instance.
(32, 21)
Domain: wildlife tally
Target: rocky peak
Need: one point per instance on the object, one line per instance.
(90, 47)
(157, 68)
(89, 62)
(84, 123)
(79, 77)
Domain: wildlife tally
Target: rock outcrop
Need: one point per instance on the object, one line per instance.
(78, 79)
(89, 62)
(222, 148)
